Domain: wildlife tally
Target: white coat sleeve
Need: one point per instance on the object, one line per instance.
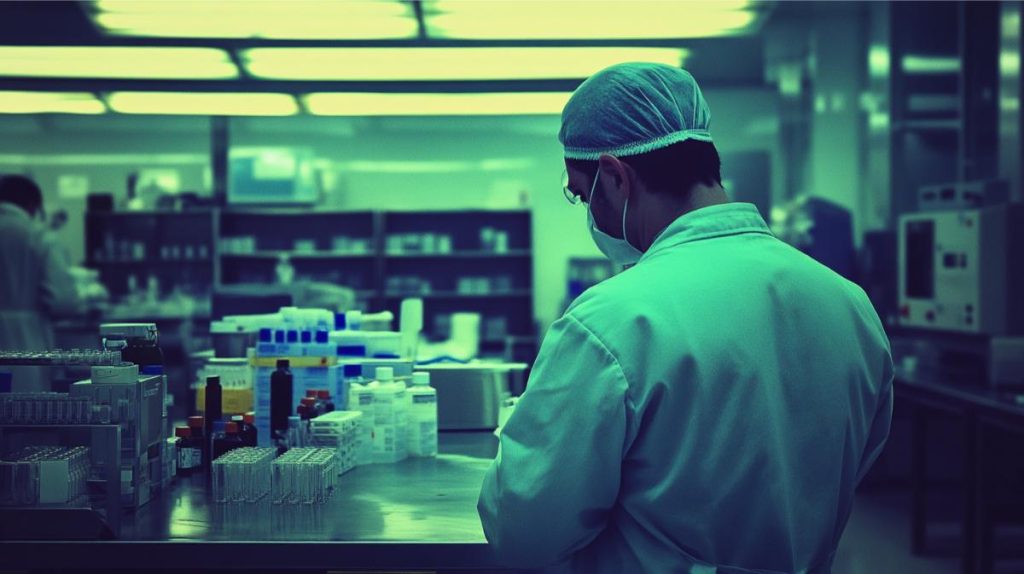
(556, 476)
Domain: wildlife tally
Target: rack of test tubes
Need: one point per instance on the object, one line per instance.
(243, 474)
(304, 476)
(50, 409)
(45, 475)
(60, 357)
(339, 431)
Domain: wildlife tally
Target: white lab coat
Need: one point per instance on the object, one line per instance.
(710, 409)
(35, 286)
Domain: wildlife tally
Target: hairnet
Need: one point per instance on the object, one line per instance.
(633, 108)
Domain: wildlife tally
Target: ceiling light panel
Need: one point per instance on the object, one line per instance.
(422, 64)
(296, 19)
(19, 102)
(115, 62)
(203, 104)
(436, 104)
(593, 20)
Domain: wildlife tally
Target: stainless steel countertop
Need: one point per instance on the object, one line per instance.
(413, 514)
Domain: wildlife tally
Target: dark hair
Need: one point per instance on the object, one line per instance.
(673, 169)
(21, 191)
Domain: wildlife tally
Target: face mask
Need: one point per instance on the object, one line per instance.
(618, 250)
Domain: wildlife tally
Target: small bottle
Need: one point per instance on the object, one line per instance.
(229, 440)
(325, 399)
(213, 408)
(280, 400)
(307, 411)
(422, 436)
(197, 441)
(249, 436)
(189, 454)
(212, 441)
(294, 433)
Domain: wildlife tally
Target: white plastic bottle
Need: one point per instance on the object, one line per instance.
(422, 416)
(360, 398)
(390, 416)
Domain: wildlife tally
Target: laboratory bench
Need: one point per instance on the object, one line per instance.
(984, 415)
(418, 514)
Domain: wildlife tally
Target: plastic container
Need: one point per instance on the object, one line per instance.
(422, 429)
(390, 417)
(360, 399)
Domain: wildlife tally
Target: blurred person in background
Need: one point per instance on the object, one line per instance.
(36, 282)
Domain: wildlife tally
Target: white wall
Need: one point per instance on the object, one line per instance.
(380, 163)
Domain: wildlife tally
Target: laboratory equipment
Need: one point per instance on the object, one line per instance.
(390, 417)
(960, 271)
(229, 440)
(280, 400)
(243, 475)
(45, 475)
(469, 396)
(212, 410)
(341, 431)
(304, 476)
(361, 400)
(324, 397)
(189, 451)
(963, 195)
(820, 228)
(422, 435)
(50, 408)
(137, 342)
(136, 404)
(248, 432)
(61, 357)
(271, 176)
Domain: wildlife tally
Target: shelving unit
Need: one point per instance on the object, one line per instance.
(175, 248)
(944, 82)
(490, 248)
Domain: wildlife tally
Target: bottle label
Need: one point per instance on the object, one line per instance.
(190, 457)
(424, 399)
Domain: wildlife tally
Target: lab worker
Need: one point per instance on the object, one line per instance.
(711, 408)
(36, 285)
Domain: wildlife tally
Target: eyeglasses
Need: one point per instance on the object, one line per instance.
(571, 196)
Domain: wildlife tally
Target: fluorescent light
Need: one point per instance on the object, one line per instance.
(116, 62)
(930, 64)
(436, 104)
(567, 19)
(1009, 63)
(412, 64)
(203, 104)
(17, 102)
(878, 61)
(350, 19)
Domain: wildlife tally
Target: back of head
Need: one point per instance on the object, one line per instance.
(651, 116)
(21, 191)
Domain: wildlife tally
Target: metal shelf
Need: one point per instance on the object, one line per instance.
(294, 255)
(456, 295)
(461, 254)
(126, 262)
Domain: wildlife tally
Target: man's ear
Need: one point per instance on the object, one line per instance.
(616, 172)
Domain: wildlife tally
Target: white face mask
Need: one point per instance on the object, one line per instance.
(618, 250)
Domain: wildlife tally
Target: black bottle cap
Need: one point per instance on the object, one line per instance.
(214, 380)
(282, 363)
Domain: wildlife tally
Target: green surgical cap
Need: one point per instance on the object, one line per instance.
(634, 108)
